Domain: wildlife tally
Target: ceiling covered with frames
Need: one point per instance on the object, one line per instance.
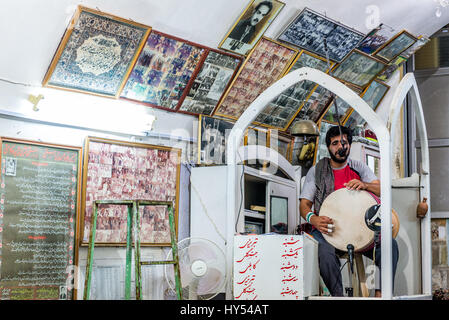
(32, 30)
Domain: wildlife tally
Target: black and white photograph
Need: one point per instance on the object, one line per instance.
(309, 30)
(250, 26)
(358, 69)
(283, 108)
(393, 48)
(210, 83)
(11, 167)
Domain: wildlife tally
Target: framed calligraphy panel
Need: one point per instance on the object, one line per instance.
(119, 170)
(39, 214)
(96, 53)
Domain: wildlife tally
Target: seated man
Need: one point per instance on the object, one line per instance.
(328, 175)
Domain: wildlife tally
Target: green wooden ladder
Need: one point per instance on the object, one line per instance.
(133, 236)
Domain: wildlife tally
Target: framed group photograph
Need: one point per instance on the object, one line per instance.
(210, 83)
(250, 26)
(281, 111)
(395, 46)
(163, 70)
(212, 136)
(315, 105)
(309, 30)
(358, 69)
(376, 38)
(120, 170)
(374, 93)
(265, 64)
(96, 53)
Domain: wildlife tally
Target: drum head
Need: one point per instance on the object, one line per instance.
(347, 209)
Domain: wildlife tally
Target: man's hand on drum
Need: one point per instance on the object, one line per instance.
(355, 184)
(322, 223)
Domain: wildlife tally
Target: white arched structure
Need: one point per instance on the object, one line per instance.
(407, 84)
(356, 102)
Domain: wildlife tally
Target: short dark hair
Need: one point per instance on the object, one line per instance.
(334, 131)
(265, 3)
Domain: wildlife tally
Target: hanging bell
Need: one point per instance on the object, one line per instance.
(422, 208)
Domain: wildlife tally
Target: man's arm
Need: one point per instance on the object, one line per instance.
(373, 186)
(320, 222)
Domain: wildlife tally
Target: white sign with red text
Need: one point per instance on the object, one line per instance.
(268, 267)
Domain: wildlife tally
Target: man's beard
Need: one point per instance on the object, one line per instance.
(338, 160)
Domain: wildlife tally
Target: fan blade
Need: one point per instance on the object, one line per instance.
(210, 281)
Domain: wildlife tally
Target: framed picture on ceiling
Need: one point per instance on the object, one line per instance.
(374, 94)
(281, 111)
(121, 170)
(251, 25)
(265, 64)
(309, 30)
(395, 46)
(391, 68)
(343, 111)
(315, 105)
(210, 83)
(163, 71)
(96, 53)
(212, 136)
(376, 38)
(358, 69)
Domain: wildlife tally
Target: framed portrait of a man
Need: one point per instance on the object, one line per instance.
(395, 46)
(310, 30)
(251, 25)
(358, 69)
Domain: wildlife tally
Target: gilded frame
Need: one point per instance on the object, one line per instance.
(380, 52)
(120, 164)
(356, 74)
(85, 73)
(249, 82)
(78, 203)
(297, 94)
(238, 46)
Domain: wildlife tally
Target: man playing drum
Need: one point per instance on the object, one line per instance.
(328, 175)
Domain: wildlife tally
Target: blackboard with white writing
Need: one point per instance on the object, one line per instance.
(38, 219)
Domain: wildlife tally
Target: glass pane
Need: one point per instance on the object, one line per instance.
(279, 215)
